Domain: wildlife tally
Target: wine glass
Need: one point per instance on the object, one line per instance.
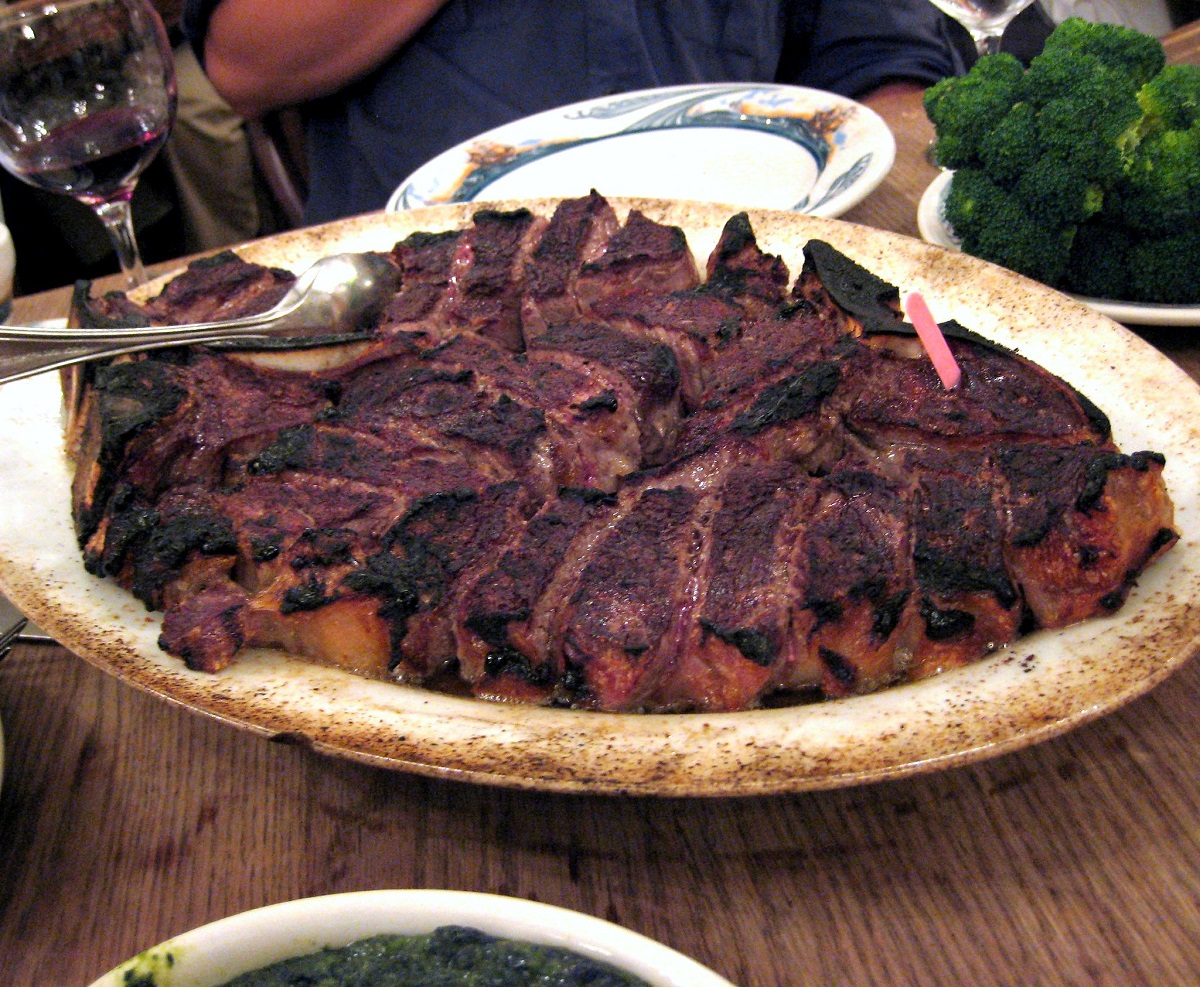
(985, 20)
(87, 98)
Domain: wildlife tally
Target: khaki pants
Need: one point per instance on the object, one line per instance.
(209, 155)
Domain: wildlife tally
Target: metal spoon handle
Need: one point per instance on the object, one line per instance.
(26, 357)
(180, 333)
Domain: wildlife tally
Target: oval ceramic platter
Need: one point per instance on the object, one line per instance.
(931, 221)
(1042, 686)
(778, 147)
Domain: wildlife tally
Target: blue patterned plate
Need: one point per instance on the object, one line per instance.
(765, 146)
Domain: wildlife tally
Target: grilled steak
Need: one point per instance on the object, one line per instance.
(562, 468)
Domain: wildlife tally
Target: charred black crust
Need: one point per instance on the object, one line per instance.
(393, 579)
(514, 217)
(290, 450)
(492, 628)
(322, 547)
(826, 611)
(843, 671)
(422, 240)
(1099, 468)
(946, 575)
(791, 398)
(1033, 534)
(308, 595)
(131, 398)
(89, 316)
(507, 661)
(1097, 418)
(588, 495)
(1162, 538)
(886, 615)
(160, 548)
(267, 548)
(864, 295)
(753, 644)
(735, 237)
(943, 624)
(605, 401)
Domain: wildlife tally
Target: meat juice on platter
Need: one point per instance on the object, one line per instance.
(92, 159)
(568, 465)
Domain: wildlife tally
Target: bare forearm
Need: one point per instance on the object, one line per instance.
(263, 54)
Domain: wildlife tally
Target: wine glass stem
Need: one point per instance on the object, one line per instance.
(987, 44)
(117, 218)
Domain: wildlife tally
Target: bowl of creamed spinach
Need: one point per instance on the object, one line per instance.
(416, 938)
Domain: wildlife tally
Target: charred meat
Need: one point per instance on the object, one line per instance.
(569, 465)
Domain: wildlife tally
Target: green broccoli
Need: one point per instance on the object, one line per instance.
(964, 108)
(1086, 113)
(1007, 150)
(1099, 262)
(994, 224)
(1171, 100)
(1056, 190)
(1166, 270)
(1139, 56)
(1161, 191)
(1082, 171)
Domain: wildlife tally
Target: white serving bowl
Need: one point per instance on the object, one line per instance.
(217, 952)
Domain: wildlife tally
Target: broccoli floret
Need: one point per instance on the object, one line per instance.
(994, 224)
(1011, 147)
(964, 108)
(1099, 263)
(1068, 171)
(1161, 192)
(1055, 189)
(1086, 113)
(1139, 56)
(1171, 100)
(1165, 270)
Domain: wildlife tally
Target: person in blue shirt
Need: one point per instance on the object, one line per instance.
(387, 85)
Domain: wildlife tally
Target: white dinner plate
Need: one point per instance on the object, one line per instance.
(931, 221)
(1039, 687)
(766, 146)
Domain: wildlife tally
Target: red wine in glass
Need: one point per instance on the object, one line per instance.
(87, 99)
(93, 160)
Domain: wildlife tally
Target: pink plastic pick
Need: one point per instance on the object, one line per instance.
(932, 339)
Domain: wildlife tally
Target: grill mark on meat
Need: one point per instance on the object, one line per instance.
(738, 270)
(856, 576)
(622, 623)
(487, 299)
(648, 369)
(421, 561)
(642, 253)
(499, 649)
(746, 633)
(1069, 546)
(967, 597)
(575, 236)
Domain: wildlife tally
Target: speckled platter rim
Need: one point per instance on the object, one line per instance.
(1043, 686)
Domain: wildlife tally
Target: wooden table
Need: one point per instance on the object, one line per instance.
(125, 820)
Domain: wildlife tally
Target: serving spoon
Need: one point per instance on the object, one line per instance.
(333, 297)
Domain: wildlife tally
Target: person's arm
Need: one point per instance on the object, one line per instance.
(264, 54)
(886, 95)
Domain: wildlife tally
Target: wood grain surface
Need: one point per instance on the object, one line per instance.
(125, 820)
